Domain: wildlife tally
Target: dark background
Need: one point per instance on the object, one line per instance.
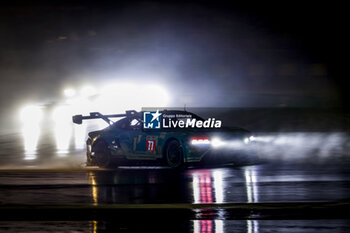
(267, 54)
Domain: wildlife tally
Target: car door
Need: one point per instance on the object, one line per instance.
(145, 144)
(141, 145)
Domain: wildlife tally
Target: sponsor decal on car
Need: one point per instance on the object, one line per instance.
(151, 145)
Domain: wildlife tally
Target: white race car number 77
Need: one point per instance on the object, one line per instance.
(151, 145)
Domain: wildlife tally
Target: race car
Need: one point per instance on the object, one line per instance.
(128, 141)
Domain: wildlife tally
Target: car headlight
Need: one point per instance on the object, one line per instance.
(200, 141)
(217, 142)
(249, 139)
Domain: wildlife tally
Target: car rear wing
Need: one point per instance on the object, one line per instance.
(78, 119)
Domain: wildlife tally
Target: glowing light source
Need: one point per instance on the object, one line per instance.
(31, 114)
(31, 117)
(69, 92)
(217, 142)
(61, 115)
(113, 98)
(200, 141)
(63, 136)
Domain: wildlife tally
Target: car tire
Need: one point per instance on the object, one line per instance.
(102, 155)
(174, 154)
(90, 161)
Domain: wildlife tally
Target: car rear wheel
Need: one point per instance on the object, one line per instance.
(174, 154)
(102, 155)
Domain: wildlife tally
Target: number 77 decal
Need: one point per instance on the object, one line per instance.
(151, 145)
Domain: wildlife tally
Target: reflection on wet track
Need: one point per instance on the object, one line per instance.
(31, 134)
(36, 136)
(207, 186)
(201, 226)
(250, 184)
(156, 185)
(208, 226)
(312, 226)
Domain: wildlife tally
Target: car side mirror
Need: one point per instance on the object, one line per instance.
(78, 119)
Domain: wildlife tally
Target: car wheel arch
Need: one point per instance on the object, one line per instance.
(168, 140)
(95, 142)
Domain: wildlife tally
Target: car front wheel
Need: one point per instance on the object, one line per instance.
(102, 155)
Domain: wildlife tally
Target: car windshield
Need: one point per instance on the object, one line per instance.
(122, 123)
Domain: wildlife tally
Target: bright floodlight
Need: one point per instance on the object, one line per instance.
(246, 140)
(69, 92)
(61, 115)
(31, 114)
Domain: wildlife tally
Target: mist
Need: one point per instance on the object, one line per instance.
(315, 147)
(202, 54)
(205, 56)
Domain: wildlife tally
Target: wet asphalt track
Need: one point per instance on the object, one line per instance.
(201, 199)
(156, 185)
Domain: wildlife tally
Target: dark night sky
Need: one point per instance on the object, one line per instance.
(279, 54)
